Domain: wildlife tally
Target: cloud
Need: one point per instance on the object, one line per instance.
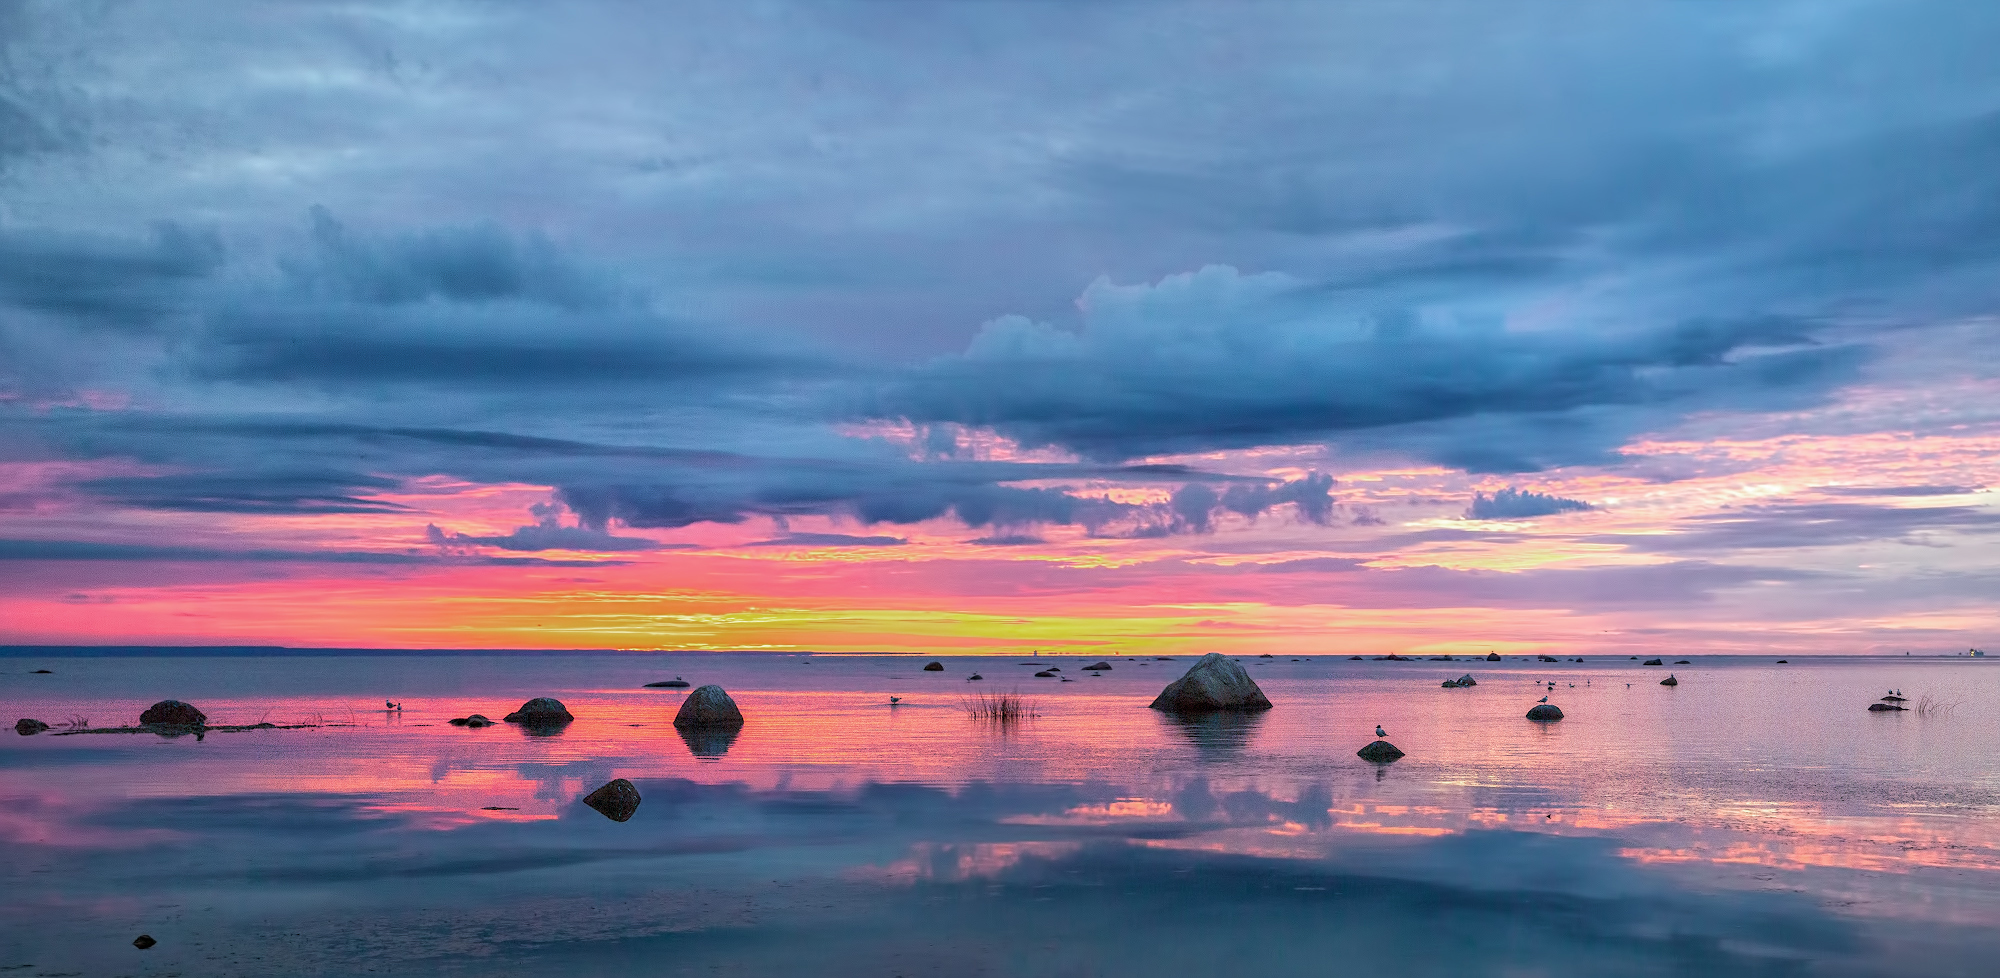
(1799, 525)
(294, 492)
(547, 533)
(1217, 359)
(97, 280)
(830, 540)
(1519, 504)
(57, 550)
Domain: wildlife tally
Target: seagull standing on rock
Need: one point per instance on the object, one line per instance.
(1543, 700)
(1379, 732)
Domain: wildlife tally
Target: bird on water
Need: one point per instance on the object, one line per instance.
(893, 700)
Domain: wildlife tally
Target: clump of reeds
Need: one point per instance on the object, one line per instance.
(1931, 706)
(999, 707)
(76, 721)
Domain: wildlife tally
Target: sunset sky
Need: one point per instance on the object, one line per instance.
(980, 327)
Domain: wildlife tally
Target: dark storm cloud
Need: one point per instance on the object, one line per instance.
(109, 281)
(830, 540)
(1515, 504)
(1216, 359)
(651, 284)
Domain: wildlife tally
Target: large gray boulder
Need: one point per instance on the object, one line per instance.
(1214, 683)
(172, 713)
(616, 800)
(540, 711)
(708, 708)
(1545, 713)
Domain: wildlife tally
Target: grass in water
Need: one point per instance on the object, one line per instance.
(1000, 707)
(1931, 706)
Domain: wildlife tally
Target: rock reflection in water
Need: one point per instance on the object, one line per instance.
(1218, 736)
(709, 743)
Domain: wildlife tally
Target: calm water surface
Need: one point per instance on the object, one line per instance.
(1754, 820)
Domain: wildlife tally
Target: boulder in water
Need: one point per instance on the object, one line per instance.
(26, 727)
(1493, 657)
(616, 800)
(933, 666)
(172, 713)
(1467, 680)
(1886, 708)
(1670, 680)
(674, 683)
(1105, 666)
(1214, 683)
(144, 941)
(1546, 658)
(1652, 662)
(542, 711)
(1545, 713)
(708, 708)
(1045, 674)
(1381, 752)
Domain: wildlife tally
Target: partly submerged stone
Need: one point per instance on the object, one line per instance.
(1045, 674)
(933, 666)
(1381, 752)
(172, 713)
(1493, 657)
(1216, 682)
(616, 800)
(26, 727)
(540, 711)
(1545, 712)
(144, 941)
(674, 683)
(1886, 708)
(1104, 666)
(709, 706)
(1652, 662)
(1670, 680)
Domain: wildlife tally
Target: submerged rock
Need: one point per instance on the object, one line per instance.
(616, 800)
(1381, 752)
(975, 677)
(475, 720)
(26, 727)
(41, 672)
(1103, 666)
(1493, 657)
(144, 941)
(1045, 674)
(1682, 662)
(708, 708)
(674, 683)
(541, 710)
(1652, 662)
(1546, 658)
(1545, 713)
(1354, 658)
(172, 713)
(1886, 708)
(1216, 682)
(933, 667)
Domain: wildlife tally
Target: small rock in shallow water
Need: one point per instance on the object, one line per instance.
(616, 800)
(144, 941)
(1099, 667)
(41, 672)
(933, 667)
(1545, 713)
(1885, 708)
(26, 726)
(1670, 680)
(172, 713)
(1381, 752)
(1652, 662)
(1045, 674)
(674, 683)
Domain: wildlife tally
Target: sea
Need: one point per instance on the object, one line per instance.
(1754, 819)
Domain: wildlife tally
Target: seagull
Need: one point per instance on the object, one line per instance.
(1379, 732)
(1543, 700)
(391, 706)
(893, 700)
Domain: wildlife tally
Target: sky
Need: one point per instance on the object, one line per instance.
(1308, 328)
